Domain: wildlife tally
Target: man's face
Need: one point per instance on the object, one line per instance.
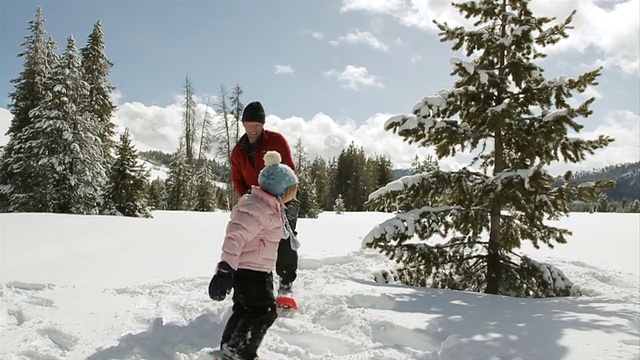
(253, 130)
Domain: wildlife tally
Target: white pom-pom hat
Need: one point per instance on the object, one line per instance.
(276, 177)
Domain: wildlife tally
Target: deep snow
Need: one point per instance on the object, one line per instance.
(99, 287)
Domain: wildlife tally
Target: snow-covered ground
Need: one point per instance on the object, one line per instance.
(155, 171)
(99, 287)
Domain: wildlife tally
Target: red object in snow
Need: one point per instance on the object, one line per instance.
(286, 302)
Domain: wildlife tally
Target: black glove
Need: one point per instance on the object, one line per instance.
(222, 282)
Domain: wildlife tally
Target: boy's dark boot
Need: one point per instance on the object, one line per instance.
(284, 288)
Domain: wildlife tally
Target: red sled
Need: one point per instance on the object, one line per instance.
(286, 302)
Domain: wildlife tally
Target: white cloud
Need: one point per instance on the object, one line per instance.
(416, 58)
(355, 78)
(611, 29)
(116, 96)
(159, 128)
(315, 34)
(360, 37)
(5, 122)
(151, 127)
(284, 69)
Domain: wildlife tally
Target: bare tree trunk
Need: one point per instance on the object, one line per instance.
(494, 268)
(202, 131)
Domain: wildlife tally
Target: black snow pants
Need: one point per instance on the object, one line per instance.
(254, 311)
(287, 262)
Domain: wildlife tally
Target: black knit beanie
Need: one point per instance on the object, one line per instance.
(254, 112)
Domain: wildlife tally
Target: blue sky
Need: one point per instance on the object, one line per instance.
(330, 72)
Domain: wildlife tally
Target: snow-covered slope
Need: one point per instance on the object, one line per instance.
(99, 287)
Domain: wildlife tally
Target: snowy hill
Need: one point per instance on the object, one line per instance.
(626, 176)
(99, 287)
(155, 171)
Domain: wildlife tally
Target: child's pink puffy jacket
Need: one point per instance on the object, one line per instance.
(254, 232)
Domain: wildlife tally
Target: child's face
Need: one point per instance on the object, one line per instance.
(290, 195)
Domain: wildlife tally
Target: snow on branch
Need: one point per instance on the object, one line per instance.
(509, 175)
(555, 114)
(398, 185)
(408, 224)
(415, 191)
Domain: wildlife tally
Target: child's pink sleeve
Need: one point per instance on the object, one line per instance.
(243, 227)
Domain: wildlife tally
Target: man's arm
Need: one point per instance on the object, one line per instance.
(237, 178)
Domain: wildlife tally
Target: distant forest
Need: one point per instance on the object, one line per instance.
(623, 197)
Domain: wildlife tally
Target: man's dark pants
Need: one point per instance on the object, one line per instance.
(287, 262)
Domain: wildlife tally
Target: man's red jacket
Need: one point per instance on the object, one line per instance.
(243, 173)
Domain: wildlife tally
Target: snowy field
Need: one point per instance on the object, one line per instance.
(98, 288)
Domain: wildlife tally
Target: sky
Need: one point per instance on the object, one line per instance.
(328, 72)
(62, 297)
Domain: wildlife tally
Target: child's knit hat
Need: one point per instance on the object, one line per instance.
(275, 178)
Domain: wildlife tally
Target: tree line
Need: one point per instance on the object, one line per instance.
(62, 157)
(345, 180)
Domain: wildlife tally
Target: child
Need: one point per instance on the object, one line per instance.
(248, 256)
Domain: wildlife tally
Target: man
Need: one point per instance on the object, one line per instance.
(246, 163)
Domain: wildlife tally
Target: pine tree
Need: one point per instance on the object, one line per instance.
(205, 189)
(189, 121)
(307, 196)
(503, 106)
(634, 207)
(96, 67)
(226, 137)
(206, 135)
(309, 207)
(63, 157)
(429, 163)
(30, 90)
(338, 205)
(155, 195)
(126, 191)
(178, 182)
(350, 178)
(379, 172)
(319, 173)
(237, 107)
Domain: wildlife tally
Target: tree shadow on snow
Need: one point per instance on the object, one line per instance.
(162, 341)
(500, 326)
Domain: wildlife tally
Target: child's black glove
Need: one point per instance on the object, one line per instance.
(222, 282)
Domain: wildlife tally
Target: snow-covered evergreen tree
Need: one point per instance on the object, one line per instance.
(338, 205)
(350, 179)
(427, 164)
(237, 107)
(309, 207)
(205, 188)
(519, 121)
(96, 67)
(62, 156)
(126, 190)
(306, 195)
(30, 90)
(155, 195)
(178, 182)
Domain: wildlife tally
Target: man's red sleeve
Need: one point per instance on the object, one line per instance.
(236, 176)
